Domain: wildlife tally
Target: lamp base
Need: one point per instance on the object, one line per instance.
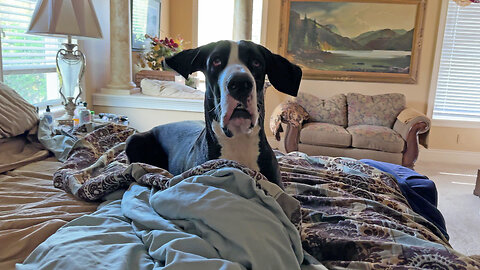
(70, 68)
(66, 116)
(69, 109)
(65, 120)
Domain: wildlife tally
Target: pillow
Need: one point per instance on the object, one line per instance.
(169, 89)
(332, 110)
(16, 114)
(377, 110)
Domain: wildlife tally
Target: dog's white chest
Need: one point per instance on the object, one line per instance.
(243, 148)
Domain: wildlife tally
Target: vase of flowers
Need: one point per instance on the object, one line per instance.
(153, 59)
(159, 50)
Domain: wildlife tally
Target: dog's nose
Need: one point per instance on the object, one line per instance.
(240, 87)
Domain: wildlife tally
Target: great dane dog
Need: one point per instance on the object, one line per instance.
(234, 110)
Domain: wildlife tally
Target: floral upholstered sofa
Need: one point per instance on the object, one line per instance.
(378, 127)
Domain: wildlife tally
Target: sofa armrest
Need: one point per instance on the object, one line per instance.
(410, 120)
(290, 113)
(414, 127)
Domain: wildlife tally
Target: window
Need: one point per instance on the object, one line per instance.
(145, 20)
(457, 95)
(208, 18)
(28, 61)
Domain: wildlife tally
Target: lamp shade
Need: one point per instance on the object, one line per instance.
(61, 18)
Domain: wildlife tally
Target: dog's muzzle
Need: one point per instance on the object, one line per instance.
(239, 104)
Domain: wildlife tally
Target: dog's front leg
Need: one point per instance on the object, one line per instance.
(144, 147)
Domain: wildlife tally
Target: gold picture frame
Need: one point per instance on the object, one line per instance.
(353, 40)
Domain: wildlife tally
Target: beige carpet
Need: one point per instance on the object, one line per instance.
(461, 209)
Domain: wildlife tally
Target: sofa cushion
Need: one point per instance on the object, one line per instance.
(332, 110)
(378, 110)
(376, 138)
(325, 134)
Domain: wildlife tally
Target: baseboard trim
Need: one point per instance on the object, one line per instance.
(449, 156)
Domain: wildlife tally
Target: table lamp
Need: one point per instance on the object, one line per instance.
(67, 18)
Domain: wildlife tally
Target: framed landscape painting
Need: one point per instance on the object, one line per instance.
(354, 40)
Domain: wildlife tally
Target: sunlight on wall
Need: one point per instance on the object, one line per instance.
(215, 20)
(211, 12)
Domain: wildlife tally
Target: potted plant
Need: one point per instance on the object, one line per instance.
(151, 61)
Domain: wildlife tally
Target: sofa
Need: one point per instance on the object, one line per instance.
(378, 127)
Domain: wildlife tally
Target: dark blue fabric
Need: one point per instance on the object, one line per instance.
(420, 192)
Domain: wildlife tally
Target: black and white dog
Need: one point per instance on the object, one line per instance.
(234, 110)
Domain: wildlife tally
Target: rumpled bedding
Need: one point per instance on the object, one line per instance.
(420, 192)
(208, 208)
(19, 151)
(216, 220)
(351, 215)
(31, 209)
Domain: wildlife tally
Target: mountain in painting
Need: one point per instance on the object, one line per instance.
(307, 34)
(333, 28)
(386, 39)
(401, 43)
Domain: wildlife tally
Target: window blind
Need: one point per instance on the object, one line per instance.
(139, 17)
(23, 53)
(457, 95)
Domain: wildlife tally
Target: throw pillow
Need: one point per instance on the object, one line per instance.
(377, 110)
(16, 114)
(332, 110)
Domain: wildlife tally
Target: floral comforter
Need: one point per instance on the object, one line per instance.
(352, 216)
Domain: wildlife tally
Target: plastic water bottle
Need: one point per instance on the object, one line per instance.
(48, 115)
(84, 114)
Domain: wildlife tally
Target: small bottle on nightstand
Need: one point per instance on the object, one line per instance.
(48, 115)
(84, 114)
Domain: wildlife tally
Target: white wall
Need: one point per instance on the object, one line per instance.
(97, 53)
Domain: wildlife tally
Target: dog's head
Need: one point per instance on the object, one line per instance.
(235, 75)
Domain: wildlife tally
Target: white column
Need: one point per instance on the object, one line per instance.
(242, 20)
(120, 50)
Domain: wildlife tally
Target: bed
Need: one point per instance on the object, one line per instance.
(95, 210)
(349, 215)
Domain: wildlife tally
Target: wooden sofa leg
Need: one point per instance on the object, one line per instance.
(476, 191)
(291, 138)
(410, 154)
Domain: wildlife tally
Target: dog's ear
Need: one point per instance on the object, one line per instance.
(185, 62)
(188, 61)
(283, 75)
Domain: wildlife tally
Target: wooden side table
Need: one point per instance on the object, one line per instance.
(476, 191)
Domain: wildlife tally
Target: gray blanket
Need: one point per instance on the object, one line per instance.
(221, 219)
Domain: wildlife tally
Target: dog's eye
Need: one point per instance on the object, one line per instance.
(255, 63)
(217, 62)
